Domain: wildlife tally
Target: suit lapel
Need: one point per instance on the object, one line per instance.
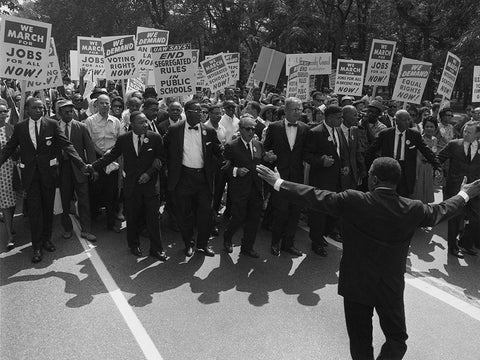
(203, 134)
(284, 134)
(181, 138)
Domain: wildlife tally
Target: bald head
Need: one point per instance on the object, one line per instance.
(350, 116)
(402, 119)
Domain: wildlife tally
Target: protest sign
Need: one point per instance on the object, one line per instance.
(135, 84)
(74, 70)
(24, 45)
(217, 72)
(120, 56)
(233, 63)
(380, 62)
(175, 71)
(411, 80)
(147, 38)
(269, 66)
(331, 78)
(54, 75)
(449, 75)
(251, 82)
(476, 85)
(349, 77)
(298, 81)
(318, 63)
(90, 56)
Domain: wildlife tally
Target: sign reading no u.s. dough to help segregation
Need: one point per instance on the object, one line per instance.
(120, 56)
(380, 62)
(217, 72)
(449, 75)
(90, 56)
(349, 77)
(175, 71)
(24, 45)
(411, 80)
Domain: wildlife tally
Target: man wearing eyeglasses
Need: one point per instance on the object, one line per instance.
(192, 151)
(244, 154)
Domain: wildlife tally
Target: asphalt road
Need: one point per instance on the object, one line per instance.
(101, 302)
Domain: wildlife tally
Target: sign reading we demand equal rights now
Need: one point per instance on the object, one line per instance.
(24, 45)
(411, 81)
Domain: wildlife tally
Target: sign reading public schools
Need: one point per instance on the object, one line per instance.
(120, 56)
(449, 75)
(54, 75)
(380, 62)
(90, 56)
(411, 80)
(175, 71)
(24, 45)
(349, 77)
(217, 72)
(318, 63)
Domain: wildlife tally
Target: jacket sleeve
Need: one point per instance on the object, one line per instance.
(88, 145)
(310, 153)
(68, 148)
(159, 154)
(109, 156)
(435, 213)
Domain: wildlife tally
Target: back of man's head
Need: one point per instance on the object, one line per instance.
(386, 169)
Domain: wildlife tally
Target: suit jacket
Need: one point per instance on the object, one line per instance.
(289, 161)
(211, 146)
(83, 144)
(355, 159)
(319, 143)
(238, 154)
(377, 228)
(385, 142)
(259, 127)
(50, 141)
(163, 127)
(133, 165)
(460, 166)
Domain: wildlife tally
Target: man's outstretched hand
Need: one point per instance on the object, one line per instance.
(268, 175)
(472, 189)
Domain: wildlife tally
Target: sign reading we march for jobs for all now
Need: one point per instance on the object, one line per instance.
(411, 80)
(90, 56)
(380, 62)
(24, 45)
(349, 77)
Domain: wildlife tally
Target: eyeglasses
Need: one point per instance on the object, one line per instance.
(195, 111)
(247, 128)
(204, 112)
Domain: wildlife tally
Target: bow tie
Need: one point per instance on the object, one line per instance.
(193, 128)
(292, 124)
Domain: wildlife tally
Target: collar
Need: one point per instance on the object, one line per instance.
(329, 128)
(287, 122)
(344, 128)
(397, 132)
(245, 143)
(107, 118)
(40, 119)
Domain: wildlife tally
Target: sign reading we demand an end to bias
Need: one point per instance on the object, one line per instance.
(24, 45)
(349, 77)
(411, 81)
(120, 56)
(90, 56)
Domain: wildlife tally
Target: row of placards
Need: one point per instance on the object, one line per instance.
(147, 57)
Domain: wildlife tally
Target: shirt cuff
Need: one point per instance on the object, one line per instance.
(279, 183)
(464, 195)
(235, 171)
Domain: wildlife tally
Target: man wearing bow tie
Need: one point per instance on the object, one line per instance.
(192, 150)
(284, 145)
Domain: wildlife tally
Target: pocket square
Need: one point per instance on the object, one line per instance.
(208, 143)
(149, 149)
(48, 137)
(411, 147)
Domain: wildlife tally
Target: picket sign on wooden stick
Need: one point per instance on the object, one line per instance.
(123, 90)
(374, 91)
(22, 100)
(267, 72)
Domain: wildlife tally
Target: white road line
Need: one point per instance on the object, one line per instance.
(141, 336)
(429, 289)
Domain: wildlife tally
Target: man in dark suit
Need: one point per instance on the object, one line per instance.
(253, 108)
(192, 150)
(402, 143)
(150, 109)
(377, 229)
(40, 139)
(284, 144)
(174, 114)
(244, 153)
(143, 154)
(464, 161)
(326, 152)
(71, 179)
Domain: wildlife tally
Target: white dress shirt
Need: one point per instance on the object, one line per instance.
(63, 126)
(31, 130)
(473, 150)
(135, 141)
(395, 145)
(230, 124)
(291, 133)
(192, 147)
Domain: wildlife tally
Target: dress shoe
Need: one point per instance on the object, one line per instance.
(136, 251)
(319, 250)
(207, 250)
(37, 256)
(160, 255)
(114, 228)
(468, 251)
(67, 235)
(228, 247)
(336, 237)
(293, 251)
(252, 253)
(120, 217)
(324, 242)
(10, 245)
(275, 250)
(456, 253)
(48, 245)
(215, 231)
(88, 236)
(189, 251)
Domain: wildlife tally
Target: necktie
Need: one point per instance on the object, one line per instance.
(333, 137)
(36, 134)
(193, 128)
(348, 136)
(292, 124)
(67, 133)
(249, 150)
(399, 147)
(139, 144)
(469, 152)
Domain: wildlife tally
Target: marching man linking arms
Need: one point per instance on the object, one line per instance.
(377, 229)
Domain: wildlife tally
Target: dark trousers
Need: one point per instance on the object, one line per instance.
(40, 200)
(193, 199)
(358, 318)
(246, 209)
(320, 224)
(285, 220)
(69, 185)
(471, 233)
(221, 179)
(105, 191)
(141, 208)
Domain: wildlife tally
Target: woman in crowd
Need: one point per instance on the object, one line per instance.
(7, 194)
(424, 184)
(117, 106)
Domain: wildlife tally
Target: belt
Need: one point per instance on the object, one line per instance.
(194, 170)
